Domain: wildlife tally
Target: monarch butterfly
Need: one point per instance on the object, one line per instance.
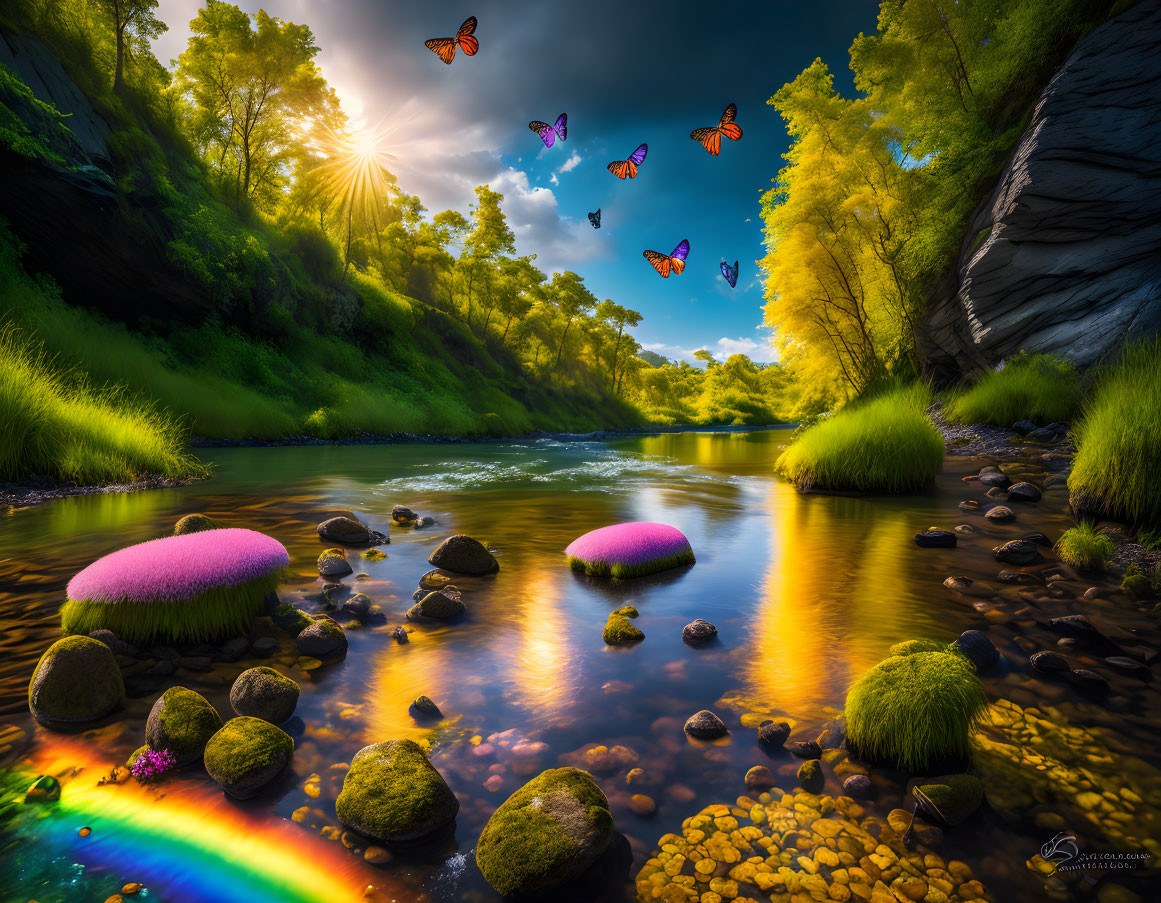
(445, 48)
(595, 218)
(627, 169)
(711, 138)
(730, 272)
(663, 263)
(548, 132)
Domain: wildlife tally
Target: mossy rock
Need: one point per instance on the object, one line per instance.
(293, 620)
(136, 754)
(194, 523)
(76, 680)
(333, 563)
(810, 776)
(626, 611)
(620, 631)
(393, 793)
(545, 834)
(439, 605)
(1138, 586)
(182, 722)
(910, 647)
(915, 712)
(375, 555)
(324, 639)
(955, 797)
(264, 693)
(461, 554)
(246, 755)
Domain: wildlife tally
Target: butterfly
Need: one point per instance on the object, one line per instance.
(711, 138)
(445, 48)
(595, 218)
(548, 132)
(663, 263)
(730, 272)
(627, 169)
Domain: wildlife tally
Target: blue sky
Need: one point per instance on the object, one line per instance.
(626, 73)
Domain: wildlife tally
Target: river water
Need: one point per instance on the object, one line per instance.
(807, 592)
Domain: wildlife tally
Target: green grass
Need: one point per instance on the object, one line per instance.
(53, 423)
(1084, 548)
(213, 615)
(624, 571)
(915, 711)
(883, 444)
(1117, 469)
(1036, 387)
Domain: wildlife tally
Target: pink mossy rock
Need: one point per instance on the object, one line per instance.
(632, 549)
(191, 588)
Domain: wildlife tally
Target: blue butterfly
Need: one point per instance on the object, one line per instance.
(730, 272)
(595, 218)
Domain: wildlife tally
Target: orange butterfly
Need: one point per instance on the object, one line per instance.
(711, 138)
(663, 263)
(627, 169)
(445, 48)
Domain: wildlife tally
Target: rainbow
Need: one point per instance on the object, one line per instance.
(188, 843)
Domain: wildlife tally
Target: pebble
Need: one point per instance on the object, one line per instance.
(1049, 662)
(1017, 551)
(804, 749)
(1018, 578)
(1024, 492)
(772, 734)
(425, 706)
(1088, 680)
(935, 539)
(759, 778)
(1078, 626)
(133, 887)
(1040, 539)
(978, 649)
(969, 505)
(698, 631)
(994, 478)
(264, 647)
(705, 725)
(377, 855)
(857, 786)
(85, 831)
(400, 634)
(1000, 514)
(965, 529)
(958, 584)
(1126, 664)
(642, 805)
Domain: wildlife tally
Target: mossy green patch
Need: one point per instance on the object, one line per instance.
(620, 631)
(182, 722)
(913, 711)
(246, 754)
(625, 611)
(77, 679)
(393, 793)
(810, 776)
(375, 555)
(1138, 586)
(546, 833)
(954, 796)
(1085, 548)
(625, 571)
(194, 523)
(220, 612)
(910, 647)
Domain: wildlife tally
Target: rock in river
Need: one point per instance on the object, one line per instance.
(804, 749)
(264, 693)
(698, 631)
(1018, 551)
(393, 793)
(246, 755)
(977, 649)
(463, 555)
(76, 680)
(323, 639)
(935, 539)
(333, 563)
(994, 478)
(705, 725)
(182, 722)
(1024, 492)
(772, 734)
(546, 834)
(1049, 662)
(1000, 515)
(439, 606)
(857, 786)
(425, 705)
(349, 532)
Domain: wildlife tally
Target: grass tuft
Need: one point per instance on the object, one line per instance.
(883, 444)
(1084, 548)
(1117, 469)
(1037, 387)
(915, 711)
(623, 570)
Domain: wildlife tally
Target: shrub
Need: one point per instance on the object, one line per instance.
(883, 444)
(1036, 387)
(1117, 469)
(1084, 548)
(915, 711)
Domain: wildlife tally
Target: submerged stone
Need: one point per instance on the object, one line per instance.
(772, 734)
(705, 725)
(977, 649)
(935, 539)
(698, 631)
(463, 555)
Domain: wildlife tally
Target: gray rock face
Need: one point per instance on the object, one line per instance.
(1063, 257)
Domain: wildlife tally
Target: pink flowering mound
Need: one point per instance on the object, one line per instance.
(197, 586)
(629, 550)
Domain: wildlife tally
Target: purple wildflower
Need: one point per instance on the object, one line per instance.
(152, 765)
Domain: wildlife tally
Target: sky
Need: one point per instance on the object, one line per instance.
(626, 73)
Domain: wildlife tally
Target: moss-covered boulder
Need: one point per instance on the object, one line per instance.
(324, 639)
(393, 793)
(463, 555)
(910, 647)
(619, 630)
(293, 620)
(264, 693)
(182, 721)
(810, 776)
(246, 755)
(440, 605)
(333, 563)
(545, 834)
(194, 523)
(949, 799)
(76, 680)
(350, 532)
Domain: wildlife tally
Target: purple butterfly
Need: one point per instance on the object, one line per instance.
(548, 132)
(730, 272)
(666, 263)
(627, 169)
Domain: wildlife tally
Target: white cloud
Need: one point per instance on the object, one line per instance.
(570, 164)
(759, 352)
(554, 180)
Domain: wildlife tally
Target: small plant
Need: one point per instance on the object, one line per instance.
(884, 444)
(1084, 548)
(915, 711)
(153, 765)
(1037, 387)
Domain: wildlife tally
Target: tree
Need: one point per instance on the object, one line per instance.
(133, 22)
(619, 318)
(573, 300)
(703, 355)
(490, 237)
(254, 90)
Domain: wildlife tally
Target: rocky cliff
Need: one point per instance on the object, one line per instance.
(1065, 255)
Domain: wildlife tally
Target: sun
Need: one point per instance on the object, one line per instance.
(365, 143)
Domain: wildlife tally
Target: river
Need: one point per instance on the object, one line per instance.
(807, 592)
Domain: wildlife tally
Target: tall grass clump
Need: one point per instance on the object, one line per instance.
(1037, 387)
(54, 424)
(1117, 469)
(883, 444)
(915, 711)
(1084, 548)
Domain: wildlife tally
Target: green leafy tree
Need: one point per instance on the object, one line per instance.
(133, 23)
